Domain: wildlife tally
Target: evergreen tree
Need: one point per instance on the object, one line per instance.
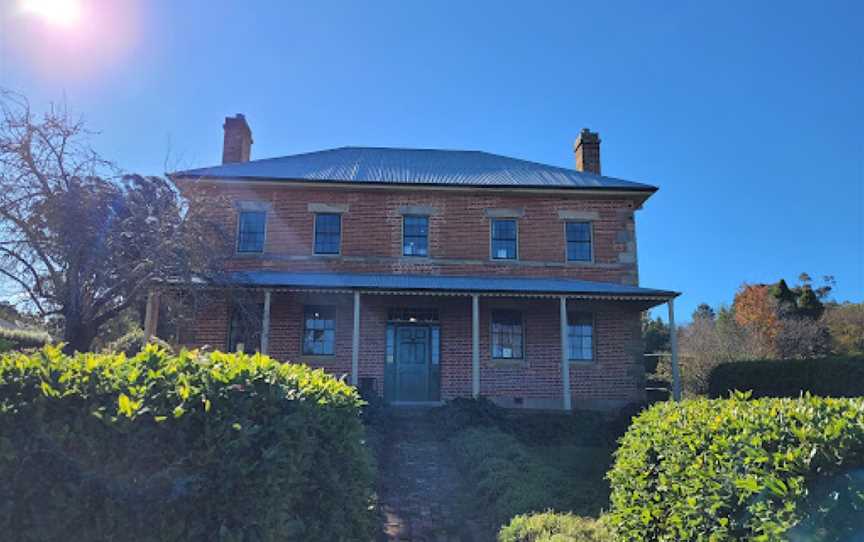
(704, 312)
(786, 299)
(655, 333)
(809, 304)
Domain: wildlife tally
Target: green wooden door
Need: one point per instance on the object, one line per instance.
(412, 363)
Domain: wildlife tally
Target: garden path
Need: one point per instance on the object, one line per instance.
(418, 484)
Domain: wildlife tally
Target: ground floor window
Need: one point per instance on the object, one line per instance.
(244, 330)
(507, 335)
(319, 331)
(580, 336)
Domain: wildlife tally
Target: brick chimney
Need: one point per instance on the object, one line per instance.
(587, 150)
(238, 140)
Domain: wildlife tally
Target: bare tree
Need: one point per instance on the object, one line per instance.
(708, 342)
(803, 338)
(79, 239)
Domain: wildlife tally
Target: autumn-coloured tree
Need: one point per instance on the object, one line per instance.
(845, 322)
(756, 309)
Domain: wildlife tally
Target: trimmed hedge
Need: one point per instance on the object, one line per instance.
(740, 469)
(196, 447)
(16, 339)
(552, 527)
(825, 377)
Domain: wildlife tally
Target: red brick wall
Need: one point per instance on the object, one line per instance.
(459, 232)
(459, 245)
(614, 378)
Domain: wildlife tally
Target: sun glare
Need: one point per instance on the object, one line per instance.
(58, 12)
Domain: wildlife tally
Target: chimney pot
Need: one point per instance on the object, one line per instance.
(237, 145)
(587, 151)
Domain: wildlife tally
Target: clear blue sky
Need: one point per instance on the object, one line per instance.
(748, 115)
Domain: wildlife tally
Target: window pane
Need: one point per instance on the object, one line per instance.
(504, 250)
(391, 332)
(507, 341)
(415, 246)
(416, 225)
(415, 236)
(328, 232)
(578, 241)
(436, 345)
(580, 336)
(504, 239)
(579, 252)
(250, 231)
(578, 231)
(319, 332)
(504, 229)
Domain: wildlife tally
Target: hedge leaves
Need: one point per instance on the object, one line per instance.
(738, 469)
(186, 447)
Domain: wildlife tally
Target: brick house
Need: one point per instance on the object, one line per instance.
(425, 275)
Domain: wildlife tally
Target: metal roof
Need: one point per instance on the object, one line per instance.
(446, 284)
(377, 165)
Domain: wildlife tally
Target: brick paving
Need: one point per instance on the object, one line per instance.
(419, 487)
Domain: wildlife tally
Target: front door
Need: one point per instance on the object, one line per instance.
(412, 363)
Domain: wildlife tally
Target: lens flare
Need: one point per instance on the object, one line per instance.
(57, 12)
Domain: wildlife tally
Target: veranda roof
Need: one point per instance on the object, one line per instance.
(449, 285)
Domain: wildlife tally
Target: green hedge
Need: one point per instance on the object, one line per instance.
(192, 447)
(741, 469)
(552, 527)
(825, 377)
(16, 339)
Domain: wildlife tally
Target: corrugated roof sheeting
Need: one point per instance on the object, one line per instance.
(453, 284)
(412, 166)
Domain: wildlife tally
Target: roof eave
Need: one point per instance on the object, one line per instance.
(645, 191)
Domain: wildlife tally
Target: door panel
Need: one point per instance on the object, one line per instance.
(412, 363)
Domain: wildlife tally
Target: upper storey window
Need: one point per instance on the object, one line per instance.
(578, 241)
(251, 229)
(415, 236)
(504, 239)
(328, 233)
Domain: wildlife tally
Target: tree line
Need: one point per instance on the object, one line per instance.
(764, 321)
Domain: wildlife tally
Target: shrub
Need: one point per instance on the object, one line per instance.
(552, 527)
(187, 447)
(738, 469)
(132, 342)
(827, 377)
(584, 427)
(463, 413)
(501, 476)
(17, 339)
(505, 477)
